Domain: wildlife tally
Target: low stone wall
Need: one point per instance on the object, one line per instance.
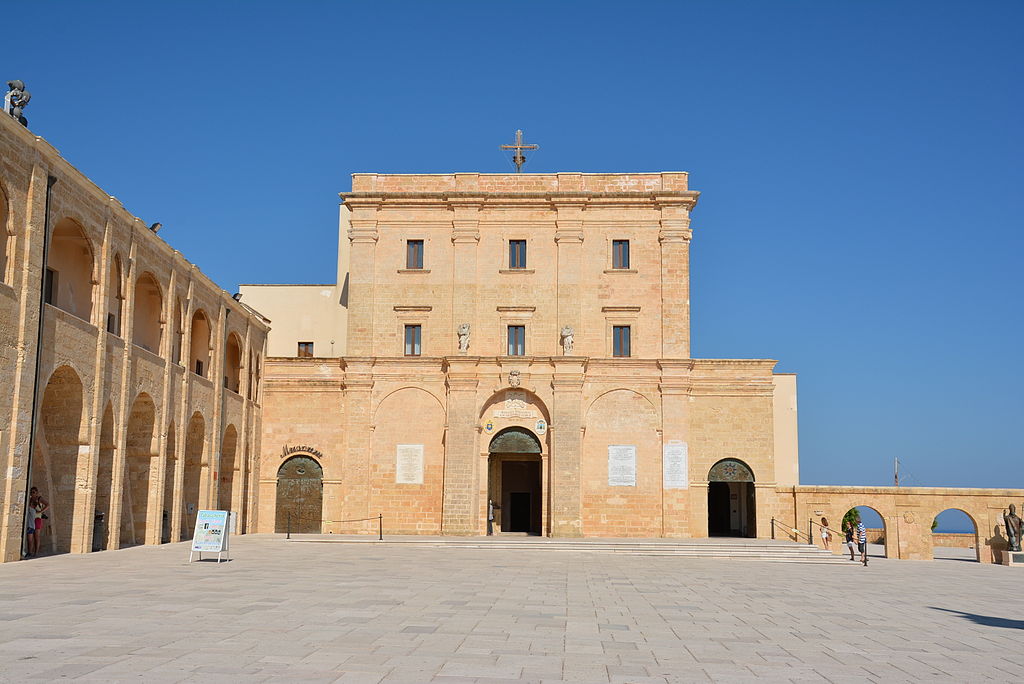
(960, 540)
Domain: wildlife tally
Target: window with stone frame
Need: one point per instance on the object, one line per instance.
(305, 350)
(517, 340)
(414, 254)
(620, 254)
(517, 253)
(413, 340)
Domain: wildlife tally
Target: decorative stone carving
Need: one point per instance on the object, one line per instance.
(1011, 523)
(513, 379)
(464, 331)
(730, 470)
(567, 340)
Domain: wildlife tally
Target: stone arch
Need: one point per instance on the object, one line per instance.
(233, 363)
(170, 468)
(192, 482)
(973, 538)
(228, 469)
(61, 458)
(387, 396)
(873, 539)
(620, 389)
(147, 320)
(70, 269)
(620, 425)
(731, 470)
(105, 477)
(514, 439)
(141, 448)
(199, 354)
(406, 463)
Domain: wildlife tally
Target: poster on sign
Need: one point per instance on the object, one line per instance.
(210, 535)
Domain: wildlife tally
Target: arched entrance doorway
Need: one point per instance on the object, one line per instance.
(300, 496)
(732, 510)
(514, 481)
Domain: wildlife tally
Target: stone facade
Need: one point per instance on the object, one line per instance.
(601, 254)
(144, 374)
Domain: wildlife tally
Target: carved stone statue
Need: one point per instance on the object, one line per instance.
(16, 100)
(464, 337)
(567, 335)
(1012, 525)
(514, 379)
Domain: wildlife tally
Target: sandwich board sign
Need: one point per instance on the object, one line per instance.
(211, 534)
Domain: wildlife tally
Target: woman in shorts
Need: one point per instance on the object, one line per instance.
(826, 534)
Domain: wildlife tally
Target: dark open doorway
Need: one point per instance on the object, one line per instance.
(732, 506)
(514, 482)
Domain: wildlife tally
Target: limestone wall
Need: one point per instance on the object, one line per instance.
(110, 368)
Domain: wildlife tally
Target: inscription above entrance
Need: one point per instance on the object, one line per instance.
(287, 451)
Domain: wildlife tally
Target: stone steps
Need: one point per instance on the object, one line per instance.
(752, 549)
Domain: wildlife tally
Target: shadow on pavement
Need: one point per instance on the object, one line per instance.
(985, 619)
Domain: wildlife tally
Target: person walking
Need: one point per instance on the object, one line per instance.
(491, 506)
(862, 542)
(848, 531)
(826, 534)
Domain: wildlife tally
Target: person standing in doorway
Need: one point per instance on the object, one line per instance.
(491, 507)
(862, 542)
(848, 531)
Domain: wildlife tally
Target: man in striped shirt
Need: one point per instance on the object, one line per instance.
(862, 542)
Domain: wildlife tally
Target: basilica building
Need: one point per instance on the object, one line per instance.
(515, 347)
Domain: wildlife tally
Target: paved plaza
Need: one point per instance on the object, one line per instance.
(291, 612)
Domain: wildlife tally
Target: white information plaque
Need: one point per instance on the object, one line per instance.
(621, 465)
(409, 464)
(674, 464)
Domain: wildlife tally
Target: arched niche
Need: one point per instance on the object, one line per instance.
(69, 270)
(147, 327)
(233, 363)
(199, 357)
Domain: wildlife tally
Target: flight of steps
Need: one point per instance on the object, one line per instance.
(717, 548)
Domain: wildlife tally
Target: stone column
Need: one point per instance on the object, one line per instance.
(674, 237)
(363, 238)
(126, 396)
(567, 446)
(460, 506)
(675, 427)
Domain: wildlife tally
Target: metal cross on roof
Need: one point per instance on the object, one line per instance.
(518, 158)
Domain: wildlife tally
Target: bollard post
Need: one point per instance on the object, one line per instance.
(288, 530)
(810, 531)
(773, 528)
(380, 527)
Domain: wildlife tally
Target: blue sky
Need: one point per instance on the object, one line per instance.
(860, 165)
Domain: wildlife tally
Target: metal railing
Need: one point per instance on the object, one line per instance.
(794, 532)
(379, 518)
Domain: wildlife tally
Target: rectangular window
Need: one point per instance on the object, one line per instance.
(620, 340)
(112, 324)
(50, 286)
(620, 253)
(199, 368)
(305, 350)
(517, 340)
(414, 254)
(413, 340)
(517, 253)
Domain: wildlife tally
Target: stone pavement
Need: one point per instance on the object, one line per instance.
(289, 612)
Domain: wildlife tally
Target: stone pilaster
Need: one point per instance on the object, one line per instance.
(567, 446)
(358, 385)
(674, 237)
(363, 238)
(465, 239)
(675, 427)
(569, 242)
(460, 506)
